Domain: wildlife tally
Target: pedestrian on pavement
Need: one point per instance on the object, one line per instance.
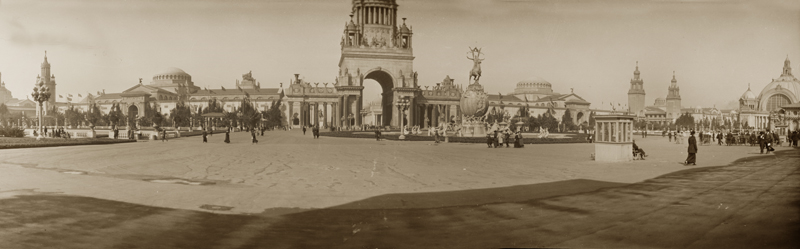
(670, 135)
(205, 136)
(377, 134)
(506, 137)
(692, 158)
(228, 136)
(163, 135)
(253, 135)
(489, 140)
(304, 130)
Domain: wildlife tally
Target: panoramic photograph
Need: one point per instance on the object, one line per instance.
(377, 124)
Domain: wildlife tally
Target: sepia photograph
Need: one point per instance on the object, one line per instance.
(399, 124)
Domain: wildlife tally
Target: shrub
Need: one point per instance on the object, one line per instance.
(11, 132)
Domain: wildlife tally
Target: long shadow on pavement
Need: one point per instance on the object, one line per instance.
(550, 214)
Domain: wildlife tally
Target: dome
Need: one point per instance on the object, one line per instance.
(748, 94)
(172, 71)
(532, 82)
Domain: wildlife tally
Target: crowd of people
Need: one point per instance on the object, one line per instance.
(498, 138)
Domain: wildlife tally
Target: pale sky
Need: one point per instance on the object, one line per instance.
(716, 47)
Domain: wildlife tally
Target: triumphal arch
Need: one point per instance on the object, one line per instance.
(375, 45)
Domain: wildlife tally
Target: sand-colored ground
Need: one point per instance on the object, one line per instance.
(288, 169)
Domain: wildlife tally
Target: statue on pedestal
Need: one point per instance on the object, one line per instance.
(475, 73)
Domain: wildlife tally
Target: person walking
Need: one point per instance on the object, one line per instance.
(253, 135)
(762, 142)
(692, 158)
(377, 134)
(518, 143)
(670, 135)
(768, 140)
(489, 140)
(506, 137)
(205, 136)
(304, 130)
(719, 138)
(228, 136)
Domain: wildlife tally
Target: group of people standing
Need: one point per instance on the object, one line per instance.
(314, 131)
(497, 138)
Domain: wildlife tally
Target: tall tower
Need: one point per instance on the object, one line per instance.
(636, 94)
(49, 80)
(787, 68)
(674, 99)
(376, 46)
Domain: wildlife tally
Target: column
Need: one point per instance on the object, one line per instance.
(411, 112)
(344, 109)
(301, 114)
(325, 113)
(291, 109)
(335, 113)
(424, 115)
(315, 112)
(435, 116)
(358, 110)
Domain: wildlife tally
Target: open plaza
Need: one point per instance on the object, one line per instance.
(293, 191)
(384, 154)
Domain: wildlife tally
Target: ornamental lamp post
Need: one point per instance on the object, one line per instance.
(41, 93)
(402, 105)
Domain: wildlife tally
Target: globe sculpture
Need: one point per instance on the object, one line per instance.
(474, 101)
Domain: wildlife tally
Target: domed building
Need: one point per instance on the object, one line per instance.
(173, 79)
(776, 106)
(533, 88)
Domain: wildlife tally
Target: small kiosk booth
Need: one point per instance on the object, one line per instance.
(613, 138)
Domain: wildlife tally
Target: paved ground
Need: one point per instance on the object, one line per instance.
(292, 191)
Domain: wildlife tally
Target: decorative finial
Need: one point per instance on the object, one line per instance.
(404, 22)
(748, 86)
(140, 81)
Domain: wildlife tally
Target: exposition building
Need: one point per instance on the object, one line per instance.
(375, 45)
(777, 106)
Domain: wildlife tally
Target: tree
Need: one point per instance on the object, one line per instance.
(4, 115)
(93, 115)
(73, 116)
(181, 114)
(566, 119)
(685, 120)
(115, 115)
(249, 115)
(274, 116)
(591, 119)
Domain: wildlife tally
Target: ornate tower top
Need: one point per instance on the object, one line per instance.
(674, 90)
(637, 84)
(787, 68)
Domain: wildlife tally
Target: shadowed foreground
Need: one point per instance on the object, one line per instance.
(753, 203)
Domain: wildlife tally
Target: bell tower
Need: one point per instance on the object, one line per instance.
(673, 99)
(636, 94)
(376, 46)
(49, 80)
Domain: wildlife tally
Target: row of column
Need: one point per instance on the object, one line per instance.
(378, 15)
(762, 122)
(615, 132)
(309, 113)
(431, 114)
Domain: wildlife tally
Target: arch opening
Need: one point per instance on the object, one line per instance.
(386, 84)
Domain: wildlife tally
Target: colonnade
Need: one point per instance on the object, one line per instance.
(345, 111)
(376, 15)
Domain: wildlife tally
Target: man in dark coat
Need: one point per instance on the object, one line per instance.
(489, 140)
(762, 141)
(205, 137)
(768, 140)
(692, 158)
(304, 130)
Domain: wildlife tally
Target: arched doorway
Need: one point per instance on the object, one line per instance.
(133, 115)
(386, 83)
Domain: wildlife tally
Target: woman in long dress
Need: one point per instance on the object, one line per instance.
(228, 136)
(518, 140)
